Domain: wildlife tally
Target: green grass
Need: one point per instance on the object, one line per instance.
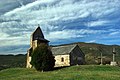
(83, 72)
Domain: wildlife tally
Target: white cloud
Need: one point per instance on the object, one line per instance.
(68, 34)
(114, 33)
(13, 41)
(4, 35)
(92, 41)
(65, 34)
(97, 23)
(53, 16)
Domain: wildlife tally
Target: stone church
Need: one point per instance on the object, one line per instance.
(65, 55)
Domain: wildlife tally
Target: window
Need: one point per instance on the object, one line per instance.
(62, 59)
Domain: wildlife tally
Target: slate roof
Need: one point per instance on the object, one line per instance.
(59, 50)
(38, 35)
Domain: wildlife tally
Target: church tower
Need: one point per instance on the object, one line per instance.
(36, 39)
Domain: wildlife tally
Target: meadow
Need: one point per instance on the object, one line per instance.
(82, 72)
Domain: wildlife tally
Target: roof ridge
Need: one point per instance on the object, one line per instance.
(66, 49)
(65, 45)
(73, 47)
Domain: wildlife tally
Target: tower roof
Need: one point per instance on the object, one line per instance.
(38, 35)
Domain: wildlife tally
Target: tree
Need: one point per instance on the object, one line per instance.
(42, 58)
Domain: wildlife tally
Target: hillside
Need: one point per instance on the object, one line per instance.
(12, 61)
(84, 72)
(94, 50)
(92, 54)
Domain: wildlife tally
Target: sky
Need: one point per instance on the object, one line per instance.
(62, 22)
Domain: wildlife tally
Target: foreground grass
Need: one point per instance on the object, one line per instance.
(84, 72)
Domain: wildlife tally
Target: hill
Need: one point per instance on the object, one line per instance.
(83, 72)
(92, 55)
(12, 61)
(94, 50)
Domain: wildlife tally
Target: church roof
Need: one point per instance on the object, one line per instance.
(38, 35)
(38, 32)
(66, 49)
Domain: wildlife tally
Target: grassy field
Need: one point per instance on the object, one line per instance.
(83, 72)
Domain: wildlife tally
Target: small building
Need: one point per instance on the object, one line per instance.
(66, 55)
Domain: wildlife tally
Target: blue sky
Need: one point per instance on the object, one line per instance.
(62, 21)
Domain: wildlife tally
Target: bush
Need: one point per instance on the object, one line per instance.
(90, 58)
(42, 58)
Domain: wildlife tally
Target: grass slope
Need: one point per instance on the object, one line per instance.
(83, 72)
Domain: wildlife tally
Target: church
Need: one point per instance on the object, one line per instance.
(65, 55)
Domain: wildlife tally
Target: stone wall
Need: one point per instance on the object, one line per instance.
(28, 65)
(62, 60)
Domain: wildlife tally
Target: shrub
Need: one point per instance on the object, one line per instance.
(42, 58)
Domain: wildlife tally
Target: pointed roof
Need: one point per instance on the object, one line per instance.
(38, 32)
(38, 35)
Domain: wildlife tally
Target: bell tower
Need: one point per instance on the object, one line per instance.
(36, 39)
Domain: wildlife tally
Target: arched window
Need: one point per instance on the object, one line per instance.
(62, 59)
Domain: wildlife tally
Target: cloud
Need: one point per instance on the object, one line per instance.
(71, 34)
(98, 23)
(13, 41)
(92, 41)
(8, 5)
(18, 49)
(60, 19)
(114, 33)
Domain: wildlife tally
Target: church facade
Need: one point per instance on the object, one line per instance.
(65, 55)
